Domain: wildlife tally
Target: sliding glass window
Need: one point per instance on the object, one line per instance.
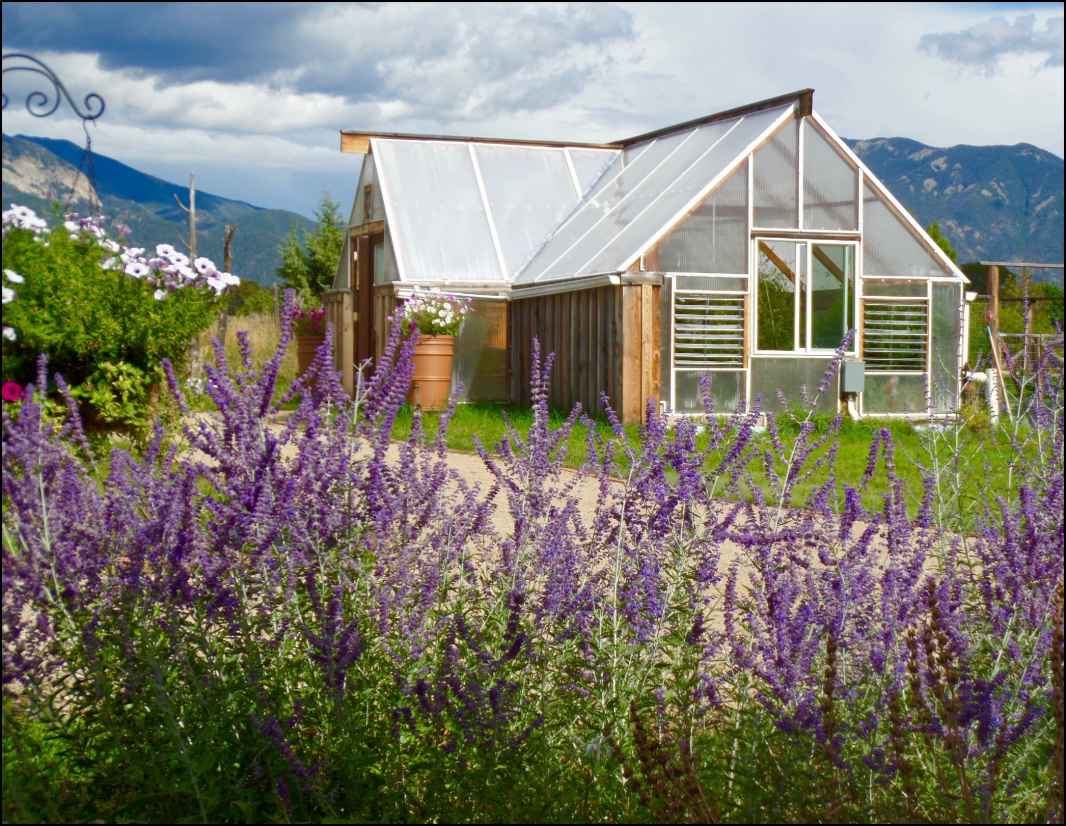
(805, 295)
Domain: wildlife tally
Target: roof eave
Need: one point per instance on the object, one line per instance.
(358, 142)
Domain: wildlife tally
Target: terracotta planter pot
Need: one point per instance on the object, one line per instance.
(306, 345)
(432, 381)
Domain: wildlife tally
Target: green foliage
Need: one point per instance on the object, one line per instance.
(309, 263)
(942, 241)
(776, 316)
(117, 392)
(95, 325)
(249, 298)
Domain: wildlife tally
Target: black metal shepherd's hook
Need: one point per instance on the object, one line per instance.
(41, 104)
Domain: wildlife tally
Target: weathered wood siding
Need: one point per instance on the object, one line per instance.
(605, 339)
(340, 312)
(384, 306)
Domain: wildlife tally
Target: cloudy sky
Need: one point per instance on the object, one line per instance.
(251, 96)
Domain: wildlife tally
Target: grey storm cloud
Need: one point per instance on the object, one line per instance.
(984, 44)
(453, 61)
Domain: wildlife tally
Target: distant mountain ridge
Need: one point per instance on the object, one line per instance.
(39, 171)
(994, 203)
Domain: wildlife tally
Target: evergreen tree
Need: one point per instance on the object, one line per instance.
(942, 242)
(309, 264)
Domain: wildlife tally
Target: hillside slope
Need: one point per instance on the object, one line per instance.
(38, 171)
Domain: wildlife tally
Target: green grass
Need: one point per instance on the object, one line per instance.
(976, 450)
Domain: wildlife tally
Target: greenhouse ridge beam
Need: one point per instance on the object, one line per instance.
(805, 97)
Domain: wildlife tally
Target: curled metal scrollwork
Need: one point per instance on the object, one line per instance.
(42, 104)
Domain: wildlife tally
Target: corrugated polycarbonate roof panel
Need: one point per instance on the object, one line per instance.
(606, 194)
(660, 179)
(590, 164)
(674, 197)
(439, 227)
(530, 191)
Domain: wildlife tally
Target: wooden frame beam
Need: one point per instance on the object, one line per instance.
(828, 263)
(777, 261)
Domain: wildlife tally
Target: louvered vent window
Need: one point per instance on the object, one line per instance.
(708, 331)
(895, 335)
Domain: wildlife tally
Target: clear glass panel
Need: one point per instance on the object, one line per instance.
(711, 283)
(793, 383)
(525, 215)
(590, 164)
(780, 265)
(894, 394)
(727, 390)
(674, 196)
(480, 363)
(829, 184)
(776, 176)
(714, 238)
(947, 335)
(909, 289)
(889, 247)
(440, 226)
(832, 294)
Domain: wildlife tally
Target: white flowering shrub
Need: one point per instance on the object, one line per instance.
(104, 312)
(435, 314)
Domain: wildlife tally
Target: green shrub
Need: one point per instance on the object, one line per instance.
(104, 330)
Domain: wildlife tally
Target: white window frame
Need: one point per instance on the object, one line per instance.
(753, 285)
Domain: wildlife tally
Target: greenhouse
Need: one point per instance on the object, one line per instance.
(742, 245)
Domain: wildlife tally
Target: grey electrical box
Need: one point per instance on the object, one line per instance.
(853, 376)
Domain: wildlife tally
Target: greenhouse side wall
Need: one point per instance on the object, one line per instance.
(605, 340)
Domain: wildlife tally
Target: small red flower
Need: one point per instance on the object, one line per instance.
(12, 391)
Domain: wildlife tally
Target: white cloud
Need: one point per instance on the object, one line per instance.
(987, 42)
(560, 71)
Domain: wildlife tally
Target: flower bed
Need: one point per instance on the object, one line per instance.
(295, 627)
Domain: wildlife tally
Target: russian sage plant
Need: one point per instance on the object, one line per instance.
(297, 618)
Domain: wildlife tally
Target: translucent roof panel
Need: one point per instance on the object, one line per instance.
(661, 178)
(608, 192)
(530, 191)
(590, 164)
(889, 247)
(673, 195)
(435, 210)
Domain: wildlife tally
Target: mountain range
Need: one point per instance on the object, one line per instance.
(993, 203)
(39, 171)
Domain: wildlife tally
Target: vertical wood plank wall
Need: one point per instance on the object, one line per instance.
(340, 312)
(384, 306)
(605, 339)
